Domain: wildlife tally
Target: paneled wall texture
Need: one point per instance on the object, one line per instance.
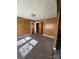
(23, 26)
(50, 27)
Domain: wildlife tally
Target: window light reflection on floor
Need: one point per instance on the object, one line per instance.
(27, 38)
(25, 49)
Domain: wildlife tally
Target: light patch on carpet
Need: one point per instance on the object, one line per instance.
(27, 38)
(25, 49)
(20, 42)
(33, 42)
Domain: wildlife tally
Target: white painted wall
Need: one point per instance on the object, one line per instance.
(41, 8)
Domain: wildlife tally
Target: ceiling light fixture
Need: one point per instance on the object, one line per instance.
(33, 15)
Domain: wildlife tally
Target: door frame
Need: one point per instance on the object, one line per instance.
(35, 29)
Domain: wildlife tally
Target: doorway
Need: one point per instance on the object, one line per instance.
(37, 27)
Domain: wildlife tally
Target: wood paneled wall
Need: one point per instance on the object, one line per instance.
(40, 27)
(32, 27)
(23, 26)
(50, 27)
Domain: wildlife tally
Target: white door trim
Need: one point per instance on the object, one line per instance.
(35, 29)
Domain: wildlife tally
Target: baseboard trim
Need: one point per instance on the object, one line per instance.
(23, 36)
(48, 36)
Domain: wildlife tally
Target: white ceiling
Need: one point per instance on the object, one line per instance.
(41, 8)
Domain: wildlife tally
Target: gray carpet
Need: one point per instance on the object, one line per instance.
(43, 49)
(57, 54)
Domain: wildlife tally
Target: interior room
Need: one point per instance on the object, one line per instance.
(38, 29)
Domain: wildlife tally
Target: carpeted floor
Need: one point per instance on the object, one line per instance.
(57, 54)
(43, 49)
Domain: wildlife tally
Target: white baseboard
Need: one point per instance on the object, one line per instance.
(23, 36)
(48, 36)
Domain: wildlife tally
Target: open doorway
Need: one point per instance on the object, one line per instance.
(37, 27)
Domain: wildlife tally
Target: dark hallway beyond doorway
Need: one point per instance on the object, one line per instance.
(37, 27)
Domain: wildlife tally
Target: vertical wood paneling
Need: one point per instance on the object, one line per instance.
(23, 26)
(40, 27)
(50, 27)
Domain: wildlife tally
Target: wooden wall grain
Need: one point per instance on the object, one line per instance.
(40, 27)
(32, 27)
(50, 27)
(23, 26)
